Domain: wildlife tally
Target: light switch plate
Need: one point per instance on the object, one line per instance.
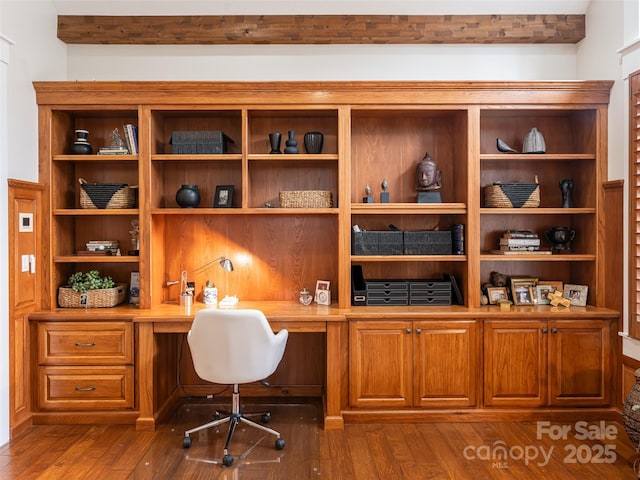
(25, 263)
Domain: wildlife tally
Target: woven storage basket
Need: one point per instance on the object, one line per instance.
(103, 297)
(106, 195)
(512, 195)
(306, 199)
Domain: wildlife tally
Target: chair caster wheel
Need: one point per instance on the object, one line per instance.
(227, 460)
(186, 442)
(266, 417)
(279, 443)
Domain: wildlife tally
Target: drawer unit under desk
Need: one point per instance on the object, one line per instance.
(85, 343)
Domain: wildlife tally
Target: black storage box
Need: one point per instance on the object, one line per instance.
(430, 292)
(199, 142)
(376, 243)
(387, 292)
(427, 243)
(358, 286)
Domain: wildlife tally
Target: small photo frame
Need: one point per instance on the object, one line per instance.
(532, 281)
(522, 293)
(223, 197)
(557, 285)
(496, 294)
(577, 294)
(542, 293)
(323, 294)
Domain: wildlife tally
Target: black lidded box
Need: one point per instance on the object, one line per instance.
(199, 142)
(377, 243)
(427, 242)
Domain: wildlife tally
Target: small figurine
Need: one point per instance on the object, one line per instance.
(428, 180)
(566, 187)
(116, 140)
(367, 194)
(384, 195)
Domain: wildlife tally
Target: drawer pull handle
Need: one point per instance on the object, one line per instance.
(92, 344)
(85, 389)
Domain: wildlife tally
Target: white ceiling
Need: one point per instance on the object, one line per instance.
(282, 7)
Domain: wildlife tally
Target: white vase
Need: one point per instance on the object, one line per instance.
(533, 142)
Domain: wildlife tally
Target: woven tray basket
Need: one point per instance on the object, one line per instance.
(306, 199)
(106, 195)
(512, 195)
(104, 297)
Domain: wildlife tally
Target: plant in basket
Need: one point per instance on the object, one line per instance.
(91, 290)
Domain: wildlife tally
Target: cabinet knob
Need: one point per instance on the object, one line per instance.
(408, 330)
(554, 330)
(545, 330)
(418, 331)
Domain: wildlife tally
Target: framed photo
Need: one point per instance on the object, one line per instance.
(522, 293)
(533, 281)
(496, 294)
(556, 285)
(542, 293)
(323, 294)
(577, 294)
(223, 197)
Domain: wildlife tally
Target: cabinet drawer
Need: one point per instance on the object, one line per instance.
(84, 343)
(86, 388)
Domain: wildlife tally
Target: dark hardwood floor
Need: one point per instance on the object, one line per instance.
(363, 452)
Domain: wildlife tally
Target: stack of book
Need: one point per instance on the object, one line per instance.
(131, 137)
(102, 247)
(519, 242)
(113, 151)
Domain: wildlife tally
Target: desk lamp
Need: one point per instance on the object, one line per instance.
(186, 293)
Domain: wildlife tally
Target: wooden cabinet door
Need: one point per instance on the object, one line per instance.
(446, 363)
(380, 363)
(579, 363)
(515, 363)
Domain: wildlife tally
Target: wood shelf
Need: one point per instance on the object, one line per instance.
(408, 208)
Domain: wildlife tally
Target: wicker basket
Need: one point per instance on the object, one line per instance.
(104, 297)
(306, 199)
(512, 195)
(106, 195)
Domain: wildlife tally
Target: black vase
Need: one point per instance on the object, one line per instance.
(291, 143)
(188, 196)
(313, 142)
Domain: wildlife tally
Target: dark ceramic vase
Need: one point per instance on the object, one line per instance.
(81, 148)
(292, 143)
(274, 142)
(313, 142)
(188, 196)
(560, 237)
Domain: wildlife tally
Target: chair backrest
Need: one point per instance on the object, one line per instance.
(234, 346)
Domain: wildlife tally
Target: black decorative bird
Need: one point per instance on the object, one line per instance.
(503, 147)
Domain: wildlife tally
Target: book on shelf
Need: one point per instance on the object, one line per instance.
(520, 242)
(113, 151)
(131, 137)
(523, 248)
(519, 234)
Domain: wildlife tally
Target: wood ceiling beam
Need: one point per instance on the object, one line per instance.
(320, 29)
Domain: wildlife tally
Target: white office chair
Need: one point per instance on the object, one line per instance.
(233, 347)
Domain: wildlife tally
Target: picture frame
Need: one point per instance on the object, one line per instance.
(532, 281)
(577, 294)
(495, 294)
(522, 293)
(223, 197)
(323, 294)
(557, 285)
(542, 293)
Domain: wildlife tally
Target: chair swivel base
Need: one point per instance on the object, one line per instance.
(234, 418)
